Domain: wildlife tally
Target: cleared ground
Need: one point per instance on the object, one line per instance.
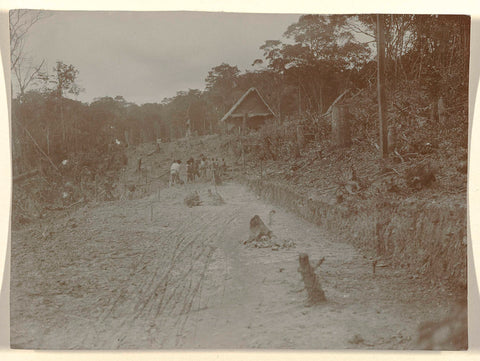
(153, 274)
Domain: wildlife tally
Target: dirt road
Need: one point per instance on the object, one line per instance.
(151, 273)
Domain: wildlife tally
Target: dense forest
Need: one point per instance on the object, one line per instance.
(321, 57)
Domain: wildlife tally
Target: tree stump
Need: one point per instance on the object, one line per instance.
(341, 125)
(310, 279)
(258, 229)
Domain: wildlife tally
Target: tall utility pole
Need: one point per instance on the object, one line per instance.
(381, 85)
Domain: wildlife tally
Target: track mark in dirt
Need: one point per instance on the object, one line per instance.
(184, 280)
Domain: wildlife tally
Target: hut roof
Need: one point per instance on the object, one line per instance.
(252, 103)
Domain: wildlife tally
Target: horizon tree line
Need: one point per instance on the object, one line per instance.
(320, 57)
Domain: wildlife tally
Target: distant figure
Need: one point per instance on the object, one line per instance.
(270, 217)
(196, 171)
(212, 168)
(190, 170)
(216, 172)
(202, 168)
(207, 168)
(223, 166)
(175, 173)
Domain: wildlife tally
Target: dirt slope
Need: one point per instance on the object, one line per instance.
(151, 273)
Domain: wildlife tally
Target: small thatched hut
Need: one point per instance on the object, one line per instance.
(251, 104)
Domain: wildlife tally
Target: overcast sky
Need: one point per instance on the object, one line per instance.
(147, 56)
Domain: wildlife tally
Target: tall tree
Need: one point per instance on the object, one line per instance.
(64, 78)
(221, 83)
(319, 62)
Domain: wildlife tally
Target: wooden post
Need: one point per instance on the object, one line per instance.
(241, 146)
(382, 106)
(244, 123)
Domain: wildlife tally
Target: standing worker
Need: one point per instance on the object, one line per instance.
(207, 168)
(190, 170)
(223, 167)
(202, 167)
(175, 172)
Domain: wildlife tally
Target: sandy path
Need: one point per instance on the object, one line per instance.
(110, 276)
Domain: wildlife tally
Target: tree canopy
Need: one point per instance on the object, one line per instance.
(317, 59)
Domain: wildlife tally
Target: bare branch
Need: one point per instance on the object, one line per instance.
(21, 21)
(358, 30)
(33, 75)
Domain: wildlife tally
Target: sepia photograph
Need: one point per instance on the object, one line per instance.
(192, 180)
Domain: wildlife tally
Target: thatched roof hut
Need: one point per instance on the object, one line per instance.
(254, 106)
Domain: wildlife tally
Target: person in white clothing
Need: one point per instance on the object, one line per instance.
(175, 172)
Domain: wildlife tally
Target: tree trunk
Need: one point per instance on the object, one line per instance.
(64, 131)
(383, 125)
(341, 125)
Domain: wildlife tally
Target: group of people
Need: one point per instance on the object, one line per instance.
(203, 168)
